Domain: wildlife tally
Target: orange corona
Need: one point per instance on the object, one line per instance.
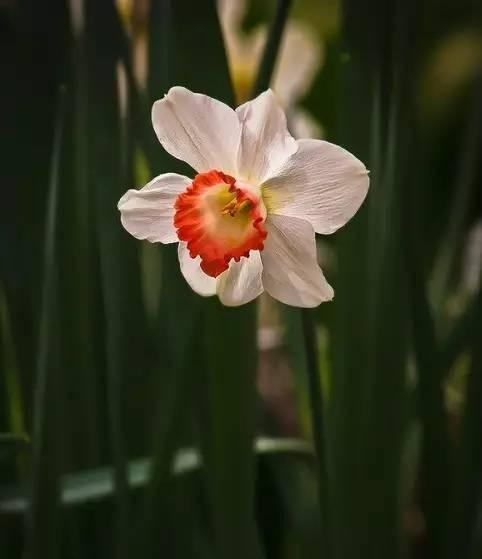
(219, 220)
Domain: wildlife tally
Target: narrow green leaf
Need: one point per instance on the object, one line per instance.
(360, 132)
(15, 414)
(230, 468)
(318, 417)
(177, 388)
(293, 520)
(368, 393)
(27, 117)
(80, 312)
(42, 527)
(125, 321)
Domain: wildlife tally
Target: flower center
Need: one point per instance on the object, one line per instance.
(220, 220)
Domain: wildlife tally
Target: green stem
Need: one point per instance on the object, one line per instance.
(265, 72)
(317, 423)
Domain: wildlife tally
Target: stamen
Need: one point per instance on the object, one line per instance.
(235, 206)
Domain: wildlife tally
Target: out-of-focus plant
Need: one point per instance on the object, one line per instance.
(300, 58)
(452, 65)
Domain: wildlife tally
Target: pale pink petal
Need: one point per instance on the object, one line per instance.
(241, 283)
(290, 269)
(200, 282)
(265, 143)
(322, 183)
(295, 72)
(198, 129)
(148, 213)
(231, 13)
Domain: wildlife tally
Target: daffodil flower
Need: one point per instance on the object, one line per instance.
(247, 220)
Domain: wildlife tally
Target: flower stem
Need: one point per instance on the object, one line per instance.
(317, 424)
(271, 50)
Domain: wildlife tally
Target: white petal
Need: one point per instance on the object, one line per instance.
(321, 182)
(200, 282)
(148, 213)
(290, 270)
(197, 129)
(265, 143)
(242, 282)
(294, 73)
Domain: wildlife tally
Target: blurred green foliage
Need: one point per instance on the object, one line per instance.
(132, 414)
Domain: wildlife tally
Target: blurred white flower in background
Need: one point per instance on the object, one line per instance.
(452, 64)
(300, 58)
(135, 15)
